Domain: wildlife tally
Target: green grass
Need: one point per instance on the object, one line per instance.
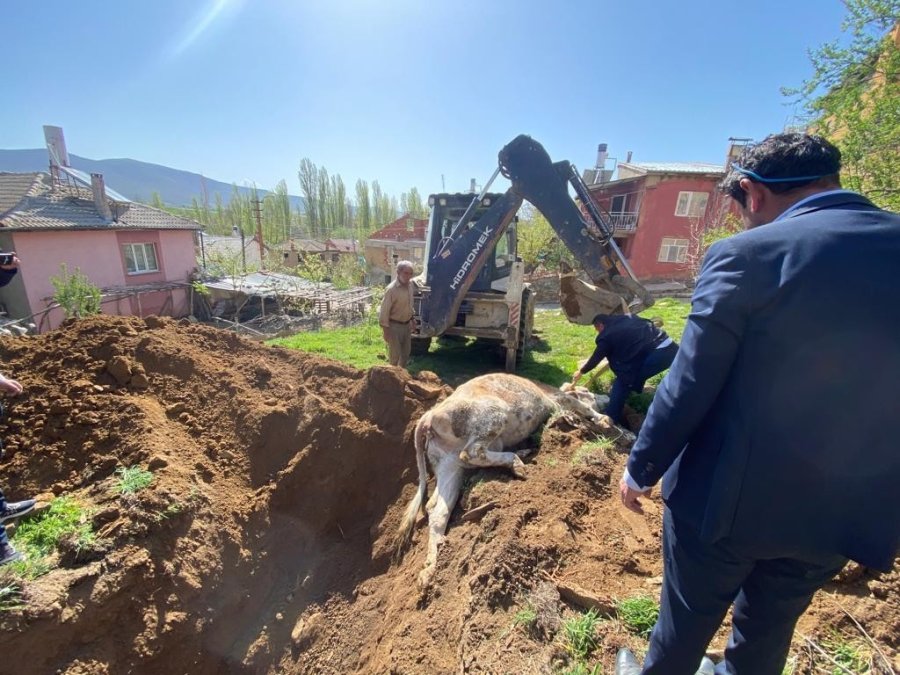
(583, 669)
(11, 596)
(553, 355)
(40, 535)
(585, 450)
(525, 617)
(580, 635)
(639, 614)
(851, 654)
(132, 479)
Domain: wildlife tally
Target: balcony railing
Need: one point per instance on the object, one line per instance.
(623, 221)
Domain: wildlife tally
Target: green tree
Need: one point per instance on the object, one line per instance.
(309, 186)
(338, 203)
(326, 223)
(853, 98)
(538, 242)
(363, 208)
(383, 210)
(75, 293)
(411, 203)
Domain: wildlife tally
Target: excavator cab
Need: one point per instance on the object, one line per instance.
(446, 212)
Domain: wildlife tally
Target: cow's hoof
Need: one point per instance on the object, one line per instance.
(518, 468)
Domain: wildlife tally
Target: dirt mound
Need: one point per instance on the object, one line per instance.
(265, 542)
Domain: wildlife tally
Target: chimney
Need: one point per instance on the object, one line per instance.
(628, 157)
(99, 190)
(56, 146)
(601, 156)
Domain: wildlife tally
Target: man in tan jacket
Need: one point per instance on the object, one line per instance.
(396, 317)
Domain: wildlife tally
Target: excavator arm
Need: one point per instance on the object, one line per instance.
(544, 183)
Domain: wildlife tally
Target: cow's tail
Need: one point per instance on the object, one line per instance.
(416, 504)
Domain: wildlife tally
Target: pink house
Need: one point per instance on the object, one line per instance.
(140, 257)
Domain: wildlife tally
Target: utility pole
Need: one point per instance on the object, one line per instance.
(257, 209)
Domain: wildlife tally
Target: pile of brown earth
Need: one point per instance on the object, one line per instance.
(265, 541)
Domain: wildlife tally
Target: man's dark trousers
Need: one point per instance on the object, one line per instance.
(657, 361)
(700, 582)
(4, 539)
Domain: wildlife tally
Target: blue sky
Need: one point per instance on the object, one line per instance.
(402, 91)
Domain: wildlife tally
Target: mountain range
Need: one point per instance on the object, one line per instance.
(134, 179)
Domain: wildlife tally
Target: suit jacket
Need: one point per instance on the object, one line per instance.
(778, 425)
(625, 342)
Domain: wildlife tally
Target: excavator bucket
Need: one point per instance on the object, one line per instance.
(582, 301)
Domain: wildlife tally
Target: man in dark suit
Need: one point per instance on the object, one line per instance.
(777, 425)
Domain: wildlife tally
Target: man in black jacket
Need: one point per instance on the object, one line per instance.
(636, 350)
(777, 426)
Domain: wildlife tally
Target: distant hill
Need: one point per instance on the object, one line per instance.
(133, 179)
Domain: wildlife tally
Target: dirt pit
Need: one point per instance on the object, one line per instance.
(265, 542)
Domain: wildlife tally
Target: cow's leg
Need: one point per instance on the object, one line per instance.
(449, 474)
(572, 404)
(479, 454)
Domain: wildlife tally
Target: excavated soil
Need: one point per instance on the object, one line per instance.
(265, 542)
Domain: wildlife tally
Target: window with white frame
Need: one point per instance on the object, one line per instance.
(691, 204)
(673, 250)
(140, 258)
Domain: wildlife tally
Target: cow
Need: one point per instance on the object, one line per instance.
(470, 429)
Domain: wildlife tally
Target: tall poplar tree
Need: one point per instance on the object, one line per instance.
(309, 186)
(363, 208)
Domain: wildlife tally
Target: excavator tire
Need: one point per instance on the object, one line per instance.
(526, 323)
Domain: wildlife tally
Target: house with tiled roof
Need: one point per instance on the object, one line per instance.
(296, 250)
(140, 257)
(658, 210)
(403, 239)
(336, 249)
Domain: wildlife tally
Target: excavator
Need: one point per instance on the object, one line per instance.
(473, 283)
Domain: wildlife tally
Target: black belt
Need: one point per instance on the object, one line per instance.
(407, 321)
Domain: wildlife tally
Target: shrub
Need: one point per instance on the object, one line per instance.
(75, 293)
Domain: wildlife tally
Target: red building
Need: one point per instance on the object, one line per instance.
(658, 211)
(403, 239)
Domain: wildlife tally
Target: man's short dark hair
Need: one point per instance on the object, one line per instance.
(600, 318)
(779, 156)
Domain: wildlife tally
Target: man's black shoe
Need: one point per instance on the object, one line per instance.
(626, 663)
(8, 554)
(15, 510)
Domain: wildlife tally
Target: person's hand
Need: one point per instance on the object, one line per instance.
(11, 387)
(576, 376)
(630, 498)
(385, 333)
(14, 264)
